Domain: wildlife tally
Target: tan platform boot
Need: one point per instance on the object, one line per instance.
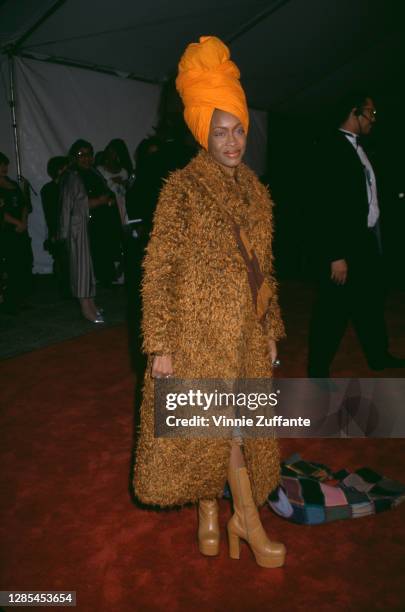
(246, 524)
(208, 527)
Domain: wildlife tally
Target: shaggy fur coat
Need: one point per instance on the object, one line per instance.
(197, 306)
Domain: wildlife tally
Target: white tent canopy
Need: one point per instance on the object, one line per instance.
(290, 51)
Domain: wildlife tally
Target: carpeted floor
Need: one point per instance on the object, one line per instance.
(48, 318)
(69, 521)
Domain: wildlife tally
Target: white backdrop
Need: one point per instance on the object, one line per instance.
(58, 104)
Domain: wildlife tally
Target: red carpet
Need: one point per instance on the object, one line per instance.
(68, 522)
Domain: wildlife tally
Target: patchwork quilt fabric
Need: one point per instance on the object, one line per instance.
(311, 493)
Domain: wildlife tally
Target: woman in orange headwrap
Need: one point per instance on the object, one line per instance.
(210, 309)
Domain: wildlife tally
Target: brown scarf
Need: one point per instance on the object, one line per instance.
(259, 285)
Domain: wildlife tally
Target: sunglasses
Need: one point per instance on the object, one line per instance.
(372, 111)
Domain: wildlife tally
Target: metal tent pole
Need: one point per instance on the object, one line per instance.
(13, 114)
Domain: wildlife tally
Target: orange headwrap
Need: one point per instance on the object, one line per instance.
(207, 80)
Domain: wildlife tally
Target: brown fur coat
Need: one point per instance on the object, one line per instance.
(198, 307)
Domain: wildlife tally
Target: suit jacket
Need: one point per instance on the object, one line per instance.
(340, 212)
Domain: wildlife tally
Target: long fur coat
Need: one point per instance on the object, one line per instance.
(197, 306)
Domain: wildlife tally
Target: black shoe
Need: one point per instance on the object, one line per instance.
(388, 361)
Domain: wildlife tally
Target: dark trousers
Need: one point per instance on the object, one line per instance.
(361, 302)
(17, 253)
(61, 269)
(105, 232)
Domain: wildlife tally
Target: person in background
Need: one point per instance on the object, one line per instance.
(15, 241)
(155, 157)
(116, 177)
(105, 226)
(143, 193)
(121, 150)
(82, 193)
(98, 158)
(141, 199)
(50, 197)
(347, 237)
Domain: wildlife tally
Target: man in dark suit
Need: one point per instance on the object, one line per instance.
(349, 248)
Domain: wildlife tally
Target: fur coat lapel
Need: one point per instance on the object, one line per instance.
(241, 195)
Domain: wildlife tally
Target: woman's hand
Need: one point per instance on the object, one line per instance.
(104, 199)
(338, 271)
(162, 366)
(21, 227)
